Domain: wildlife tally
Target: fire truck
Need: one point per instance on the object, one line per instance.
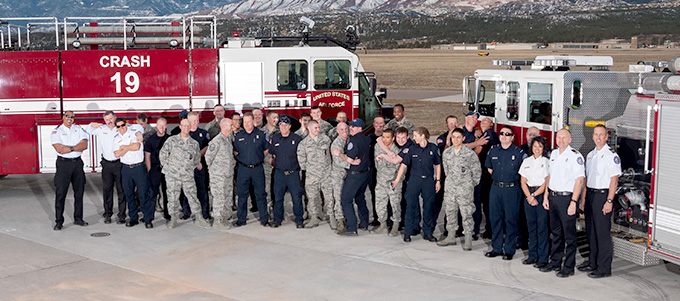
(641, 110)
(160, 66)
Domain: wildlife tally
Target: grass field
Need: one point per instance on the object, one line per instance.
(426, 69)
(422, 69)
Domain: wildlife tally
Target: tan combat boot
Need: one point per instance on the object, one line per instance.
(467, 246)
(341, 226)
(313, 222)
(172, 223)
(221, 224)
(395, 230)
(380, 229)
(448, 241)
(333, 222)
(201, 222)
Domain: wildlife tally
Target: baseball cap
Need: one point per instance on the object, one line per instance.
(472, 113)
(284, 119)
(183, 114)
(357, 122)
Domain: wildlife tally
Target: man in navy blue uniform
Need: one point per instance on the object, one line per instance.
(152, 149)
(425, 162)
(358, 177)
(283, 148)
(503, 162)
(250, 148)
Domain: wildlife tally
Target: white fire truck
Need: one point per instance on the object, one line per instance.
(160, 66)
(640, 108)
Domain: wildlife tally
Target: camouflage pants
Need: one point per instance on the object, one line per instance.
(337, 178)
(268, 188)
(222, 188)
(385, 194)
(459, 197)
(314, 186)
(174, 188)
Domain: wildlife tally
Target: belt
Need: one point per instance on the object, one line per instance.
(289, 172)
(352, 172)
(560, 193)
(534, 187)
(603, 191)
(133, 165)
(68, 159)
(505, 184)
(111, 161)
(251, 165)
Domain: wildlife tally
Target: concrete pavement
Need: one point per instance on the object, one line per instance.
(256, 263)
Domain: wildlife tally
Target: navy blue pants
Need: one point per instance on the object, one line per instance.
(598, 226)
(245, 178)
(563, 229)
(353, 191)
(158, 186)
(539, 232)
(504, 215)
(417, 186)
(69, 172)
(199, 179)
(111, 178)
(290, 182)
(136, 177)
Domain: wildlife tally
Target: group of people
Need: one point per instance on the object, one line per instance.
(327, 169)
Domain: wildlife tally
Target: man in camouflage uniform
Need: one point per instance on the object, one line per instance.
(314, 157)
(213, 127)
(304, 120)
(270, 128)
(463, 172)
(326, 128)
(399, 120)
(221, 162)
(336, 219)
(387, 167)
(179, 157)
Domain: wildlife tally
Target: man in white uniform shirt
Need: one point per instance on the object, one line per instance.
(110, 166)
(564, 183)
(603, 167)
(69, 140)
(133, 173)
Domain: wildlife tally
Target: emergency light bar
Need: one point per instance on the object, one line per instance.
(573, 61)
(512, 63)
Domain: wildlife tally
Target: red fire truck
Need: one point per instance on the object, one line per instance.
(640, 108)
(161, 66)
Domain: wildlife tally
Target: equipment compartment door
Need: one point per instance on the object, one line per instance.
(665, 211)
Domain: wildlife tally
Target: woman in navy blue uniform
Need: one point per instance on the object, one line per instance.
(425, 161)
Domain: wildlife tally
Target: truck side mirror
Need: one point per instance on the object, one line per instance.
(373, 85)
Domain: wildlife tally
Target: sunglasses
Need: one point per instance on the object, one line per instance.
(506, 134)
(69, 116)
(121, 125)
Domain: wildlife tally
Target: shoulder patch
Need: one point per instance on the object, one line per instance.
(405, 150)
(579, 161)
(350, 146)
(439, 141)
(212, 146)
(617, 160)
